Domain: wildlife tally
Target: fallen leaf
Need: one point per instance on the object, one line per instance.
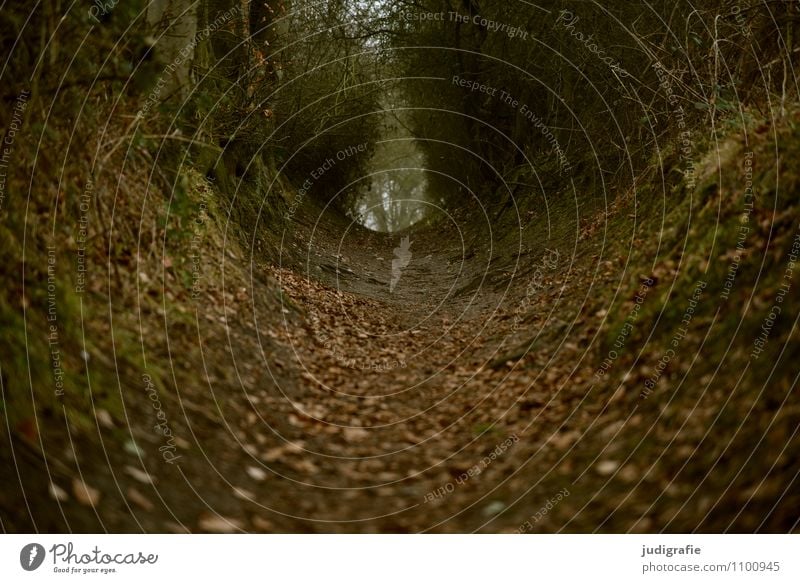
(104, 418)
(58, 493)
(262, 524)
(139, 475)
(256, 473)
(132, 448)
(273, 454)
(218, 524)
(355, 433)
(494, 507)
(139, 499)
(84, 494)
(243, 494)
(606, 467)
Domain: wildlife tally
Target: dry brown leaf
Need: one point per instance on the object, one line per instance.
(355, 433)
(85, 494)
(139, 475)
(217, 524)
(58, 493)
(256, 473)
(139, 499)
(606, 467)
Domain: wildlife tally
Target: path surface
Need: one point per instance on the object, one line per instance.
(417, 408)
(407, 411)
(305, 395)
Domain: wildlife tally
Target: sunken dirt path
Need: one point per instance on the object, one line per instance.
(413, 409)
(306, 396)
